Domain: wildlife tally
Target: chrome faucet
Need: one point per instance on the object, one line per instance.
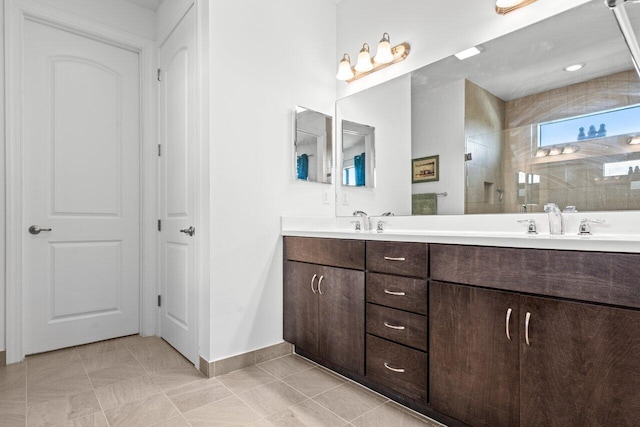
(556, 222)
(366, 222)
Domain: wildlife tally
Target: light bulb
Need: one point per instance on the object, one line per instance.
(364, 60)
(383, 54)
(344, 68)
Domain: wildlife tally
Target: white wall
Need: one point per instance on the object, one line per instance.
(2, 201)
(267, 57)
(438, 128)
(386, 107)
(434, 29)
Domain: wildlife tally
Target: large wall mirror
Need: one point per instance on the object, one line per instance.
(512, 127)
(313, 146)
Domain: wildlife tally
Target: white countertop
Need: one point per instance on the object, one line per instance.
(621, 232)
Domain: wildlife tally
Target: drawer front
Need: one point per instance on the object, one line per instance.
(399, 326)
(334, 252)
(604, 277)
(407, 259)
(397, 367)
(397, 292)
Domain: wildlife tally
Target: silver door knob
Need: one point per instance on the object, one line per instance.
(190, 231)
(34, 229)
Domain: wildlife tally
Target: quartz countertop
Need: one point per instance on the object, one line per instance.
(621, 232)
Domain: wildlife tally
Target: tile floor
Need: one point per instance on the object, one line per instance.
(135, 381)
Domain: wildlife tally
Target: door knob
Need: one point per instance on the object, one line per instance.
(190, 231)
(34, 229)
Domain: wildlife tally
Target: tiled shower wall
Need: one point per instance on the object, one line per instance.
(567, 179)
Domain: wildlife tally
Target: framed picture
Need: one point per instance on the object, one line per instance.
(425, 169)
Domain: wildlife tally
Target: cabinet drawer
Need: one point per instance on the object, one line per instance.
(407, 259)
(399, 326)
(603, 277)
(397, 367)
(334, 252)
(397, 292)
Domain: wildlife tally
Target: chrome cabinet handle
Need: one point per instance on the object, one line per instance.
(312, 279)
(388, 258)
(190, 231)
(399, 294)
(400, 370)
(526, 328)
(507, 324)
(399, 328)
(319, 283)
(34, 229)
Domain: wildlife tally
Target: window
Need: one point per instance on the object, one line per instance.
(620, 121)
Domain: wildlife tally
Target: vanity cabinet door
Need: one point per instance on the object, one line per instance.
(581, 366)
(474, 368)
(301, 305)
(341, 318)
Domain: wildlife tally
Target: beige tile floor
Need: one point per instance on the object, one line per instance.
(135, 381)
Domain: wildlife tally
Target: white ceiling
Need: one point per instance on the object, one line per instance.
(530, 60)
(147, 4)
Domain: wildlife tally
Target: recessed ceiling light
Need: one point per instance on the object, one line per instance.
(574, 67)
(468, 53)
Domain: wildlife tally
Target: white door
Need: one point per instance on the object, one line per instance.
(177, 193)
(81, 180)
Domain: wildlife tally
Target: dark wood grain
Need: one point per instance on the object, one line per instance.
(333, 252)
(415, 292)
(341, 317)
(412, 382)
(582, 367)
(300, 306)
(415, 258)
(474, 368)
(414, 333)
(608, 278)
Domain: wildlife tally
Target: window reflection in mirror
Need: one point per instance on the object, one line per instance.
(313, 146)
(358, 142)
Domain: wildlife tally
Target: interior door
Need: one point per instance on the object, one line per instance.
(81, 189)
(177, 193)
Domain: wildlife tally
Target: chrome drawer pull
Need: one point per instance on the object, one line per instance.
(399, 328)
(388, 258)
(312, 279)
(526, 328)
(386, 365)
(507, 323)
(399, 294)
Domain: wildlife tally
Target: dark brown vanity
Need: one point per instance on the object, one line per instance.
(477, 335)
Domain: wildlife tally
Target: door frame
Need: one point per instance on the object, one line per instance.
(16, 13)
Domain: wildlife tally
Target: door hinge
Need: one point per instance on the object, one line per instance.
(159, 225)
(159, 75)
(159, 150)
(159, 300)
(468, 157)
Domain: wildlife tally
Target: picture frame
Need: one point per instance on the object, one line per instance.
(425, 169)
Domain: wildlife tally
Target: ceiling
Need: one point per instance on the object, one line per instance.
(147, 4)
(530, 60)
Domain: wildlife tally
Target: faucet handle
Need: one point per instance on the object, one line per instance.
(531, 227)
(585, 226)
(380, 226)
(358, 227)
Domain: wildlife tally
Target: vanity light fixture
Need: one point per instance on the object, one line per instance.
(555, 151)
(385, 56)
(542, 153)
(364, 63)
(570, 149)
(574, 67)
(468, 53)
(633, 140)
(505, 6)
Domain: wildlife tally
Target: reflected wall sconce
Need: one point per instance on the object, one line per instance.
(505, 6)
(365, 65)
